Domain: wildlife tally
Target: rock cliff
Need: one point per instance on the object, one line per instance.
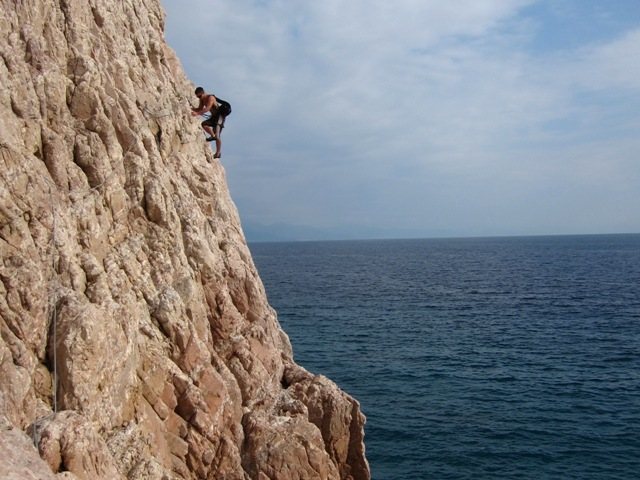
(136, 338)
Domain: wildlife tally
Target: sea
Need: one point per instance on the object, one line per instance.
(475, 358)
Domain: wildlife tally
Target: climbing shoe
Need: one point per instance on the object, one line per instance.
(210, 139)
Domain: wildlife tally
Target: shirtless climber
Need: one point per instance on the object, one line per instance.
(215, 123)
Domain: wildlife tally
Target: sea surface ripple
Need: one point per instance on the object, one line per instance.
(490, 358)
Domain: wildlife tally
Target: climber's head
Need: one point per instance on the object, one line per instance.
(199, 92)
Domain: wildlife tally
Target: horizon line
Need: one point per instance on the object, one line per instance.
(462, 237)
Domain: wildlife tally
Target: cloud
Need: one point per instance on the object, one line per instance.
(414, 114)
(611, 65)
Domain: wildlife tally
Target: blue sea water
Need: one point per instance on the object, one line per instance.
(492, 358)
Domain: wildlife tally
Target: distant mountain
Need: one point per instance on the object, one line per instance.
(285, 232)
(281, 232)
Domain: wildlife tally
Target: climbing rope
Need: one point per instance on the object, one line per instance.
(53, 322)
(54, 303)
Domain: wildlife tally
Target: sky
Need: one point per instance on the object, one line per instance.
(422, 118)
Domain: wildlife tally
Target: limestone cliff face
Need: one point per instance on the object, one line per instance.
(136, 338)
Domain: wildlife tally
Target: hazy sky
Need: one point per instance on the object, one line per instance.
(426, 117)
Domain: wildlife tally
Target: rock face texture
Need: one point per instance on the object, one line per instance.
(136, 341)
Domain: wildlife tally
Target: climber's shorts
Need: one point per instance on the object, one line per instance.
(216, 121)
